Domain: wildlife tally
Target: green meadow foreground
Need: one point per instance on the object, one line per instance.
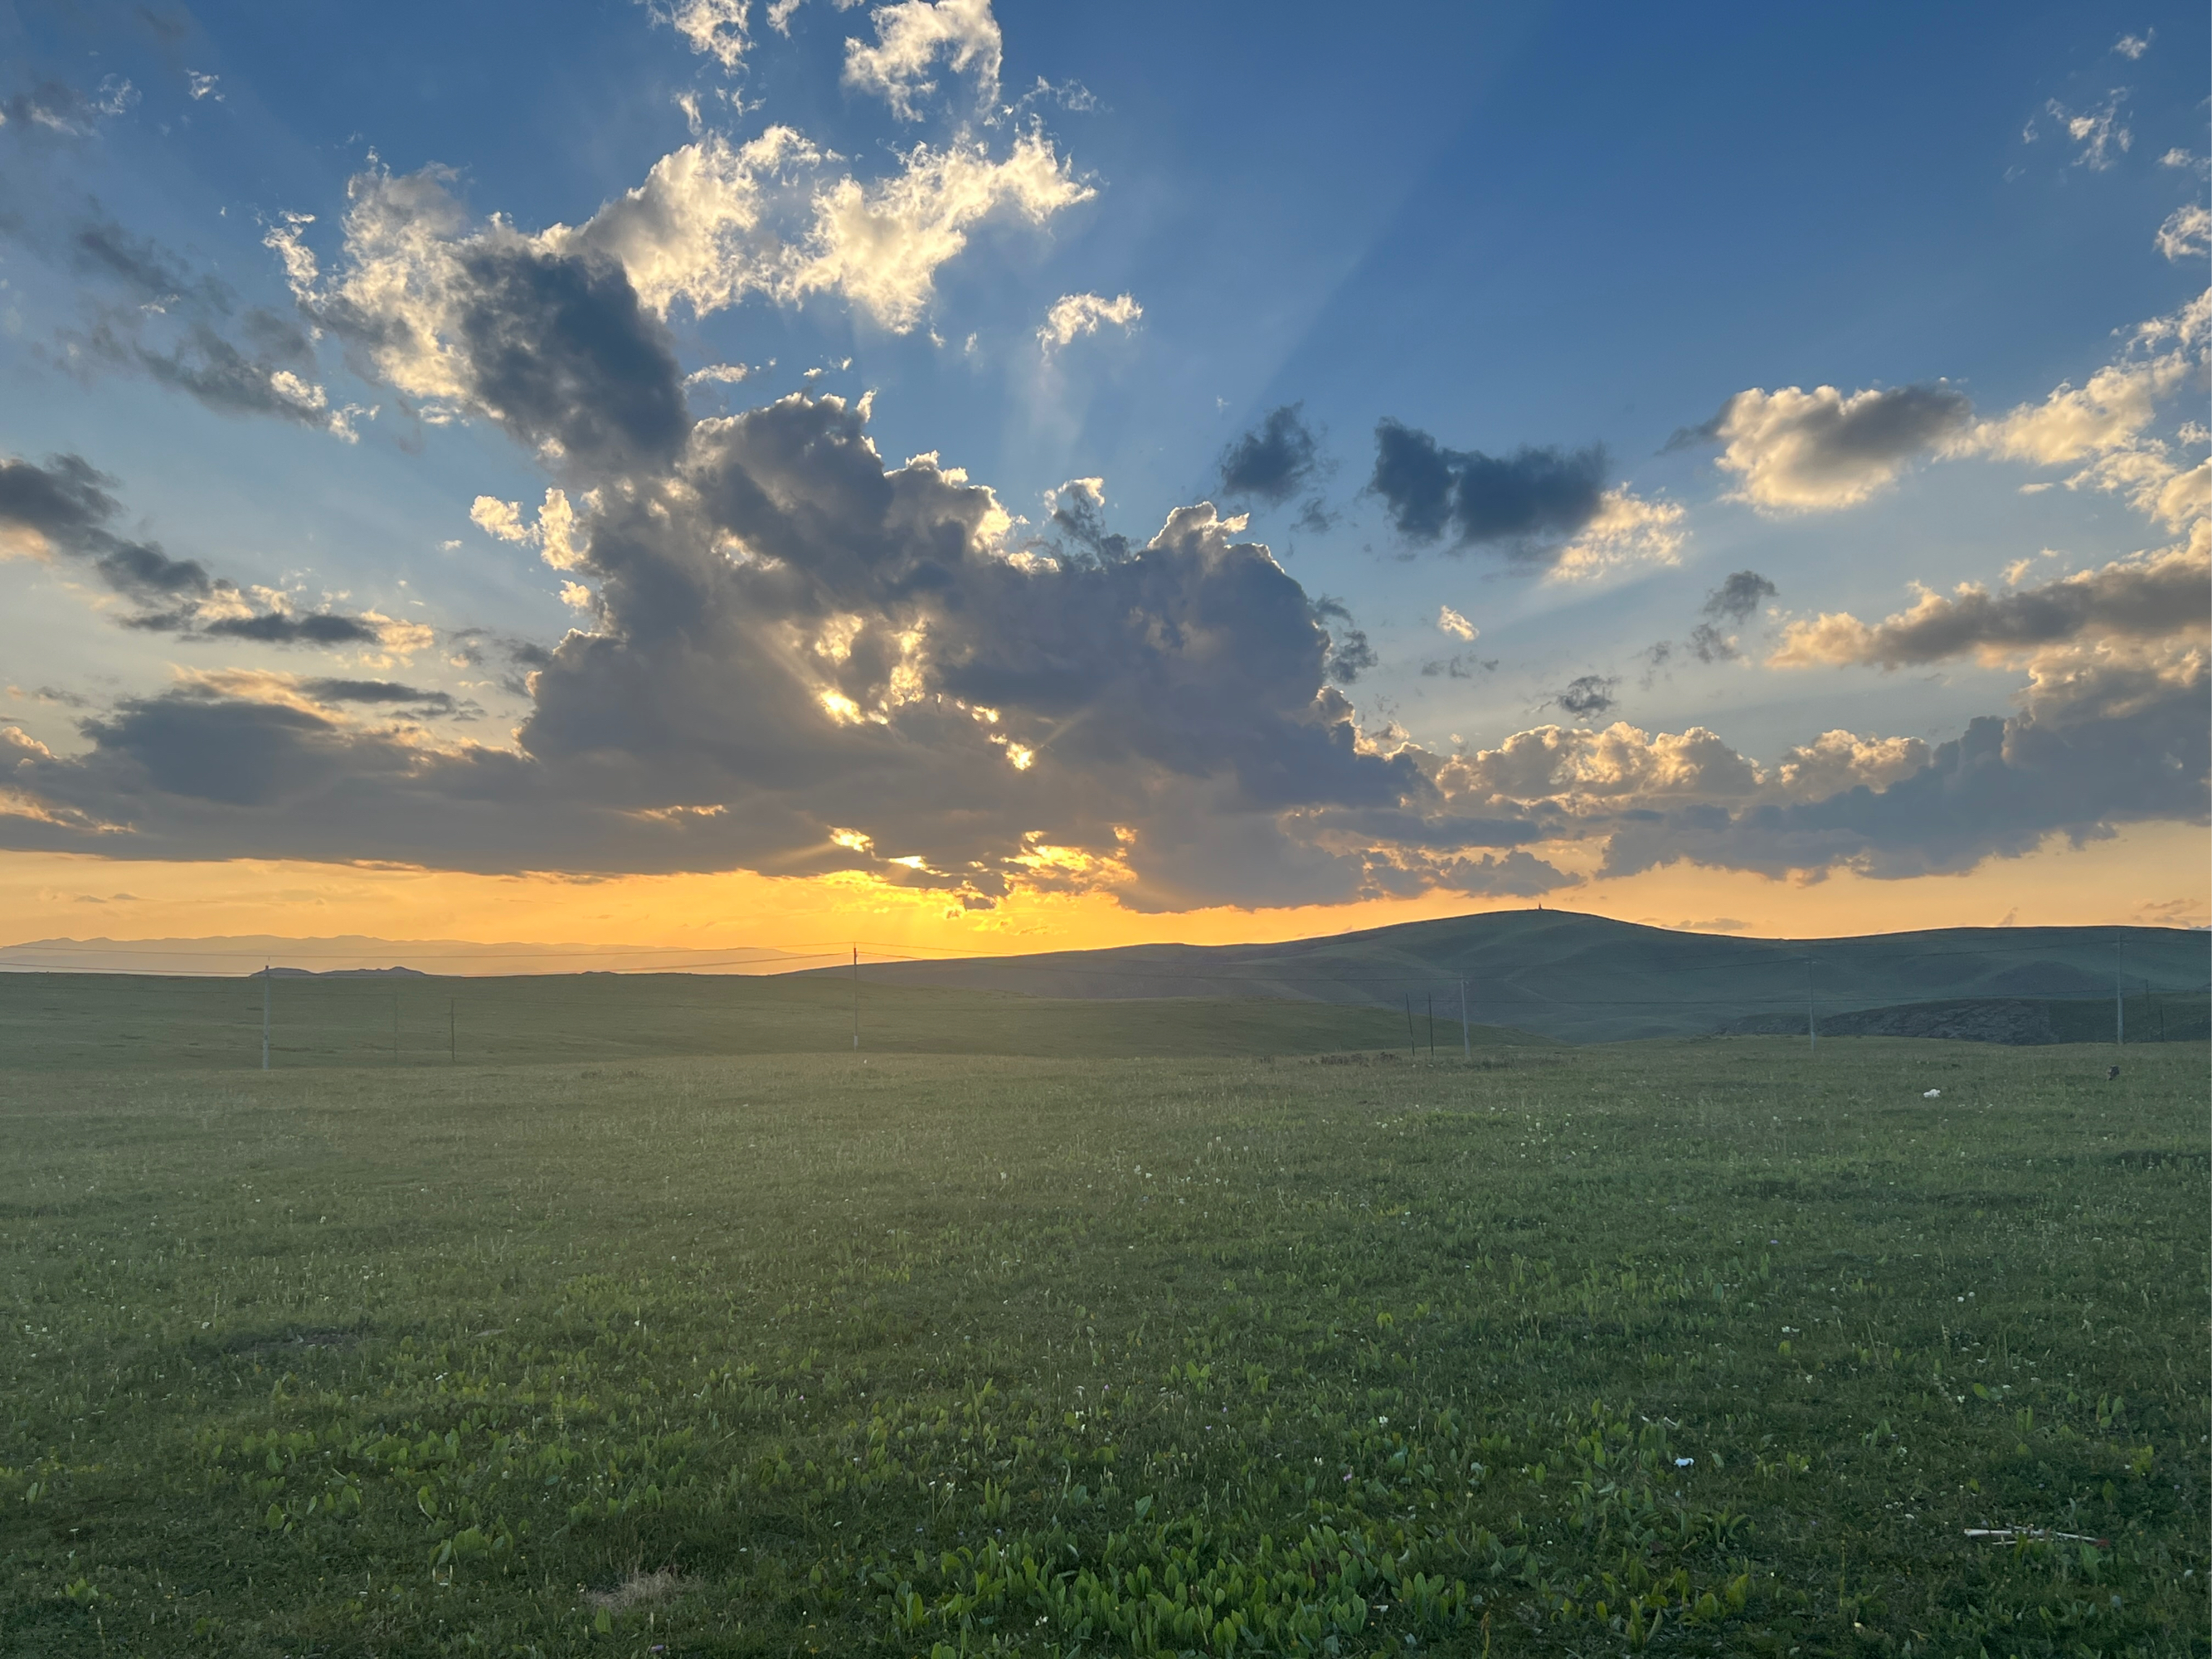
(1695, 1347)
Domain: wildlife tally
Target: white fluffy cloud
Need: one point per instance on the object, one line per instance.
(1458, 626)
(911, 36)
(714, 28)
(1794, 451)
(712, 224)
(1075, 314)
(1627, 531)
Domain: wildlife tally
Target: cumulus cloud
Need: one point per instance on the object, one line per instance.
(1522, 499)
(63, 511)
(2154, 596)
(1076, 314)
(449, 311)
(1794, 451)
(1626, 530)
(793, 657)
(714, 29)
(2105, 426)
(1272, 461)
(911, 36)
(2132, 46)
(1454, 624)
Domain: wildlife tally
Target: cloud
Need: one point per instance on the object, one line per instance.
(1074, 314)
(901, 675)
(444, 309)
(1588, 697)
(2155, 596)
(147, 312)
(1626, 531)
(56, 108)
(854, 668)
(910, 37)
(201, 85)
(2186, 233)
(2103, 741)
(2108, 413)
(63, 510)
(2132, 46)
(1458, 626)
(1794, 451)
(712, 28)
(1273, 460)
(2103, 139)
(2105, 425)
(1735, 598)
(1532, 501)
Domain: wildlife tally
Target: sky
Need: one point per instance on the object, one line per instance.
(964, 476)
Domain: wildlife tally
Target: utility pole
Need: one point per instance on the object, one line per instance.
(265, 1016)
(1465, 1043)
(856, 999)
(1412, 1050)
(1432, 1025)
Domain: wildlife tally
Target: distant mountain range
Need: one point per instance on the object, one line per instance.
(1555, 973)
(1588, 978)
(249, 953)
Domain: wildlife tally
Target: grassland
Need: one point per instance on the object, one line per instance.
(1693, 1347)
(79, 1021)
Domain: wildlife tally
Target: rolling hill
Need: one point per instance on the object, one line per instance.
(1585, 979)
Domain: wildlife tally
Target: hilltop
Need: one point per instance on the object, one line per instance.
(1584, 978)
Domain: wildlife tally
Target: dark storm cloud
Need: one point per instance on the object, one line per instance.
(1532, 501)
(67, 504)
(1275, 460)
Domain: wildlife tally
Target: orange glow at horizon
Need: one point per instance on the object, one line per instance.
(2156, 874)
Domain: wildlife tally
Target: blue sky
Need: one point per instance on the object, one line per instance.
(1562, 241)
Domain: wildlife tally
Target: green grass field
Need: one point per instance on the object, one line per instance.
(1691, 1347)
(76, 1021)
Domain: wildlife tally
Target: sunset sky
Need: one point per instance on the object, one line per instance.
(983, 477)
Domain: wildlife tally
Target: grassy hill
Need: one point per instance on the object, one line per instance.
(78, 1021)
(1583, 978)
(2167, 1017)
